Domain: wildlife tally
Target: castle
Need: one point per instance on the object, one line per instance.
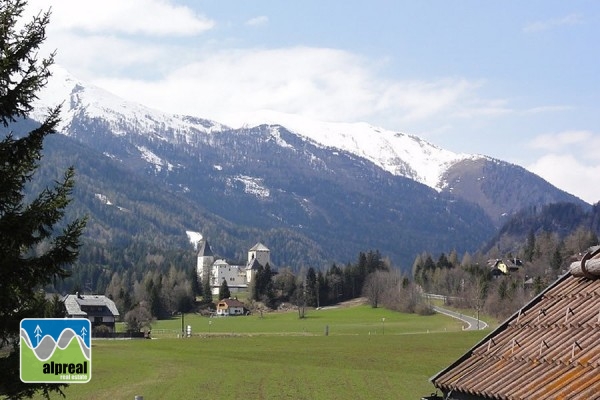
(238, 277)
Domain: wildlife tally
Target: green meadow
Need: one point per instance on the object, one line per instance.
(367, 354)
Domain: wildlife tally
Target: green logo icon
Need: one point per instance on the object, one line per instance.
(56, 350)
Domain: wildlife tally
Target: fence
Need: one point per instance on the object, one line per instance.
(119, 335)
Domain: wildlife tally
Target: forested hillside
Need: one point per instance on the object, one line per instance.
(534, 248)
(134, 228)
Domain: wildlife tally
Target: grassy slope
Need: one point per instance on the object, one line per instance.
(281, 357)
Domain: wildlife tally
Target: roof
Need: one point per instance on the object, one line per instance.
(231, 303)
(549, 349)
(259, 247)
(253, 265)
(74, 302)
(505, 267)
(204, 249)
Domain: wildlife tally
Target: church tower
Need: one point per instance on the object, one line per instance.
(206, 258)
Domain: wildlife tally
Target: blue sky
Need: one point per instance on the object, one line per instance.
(512, 80)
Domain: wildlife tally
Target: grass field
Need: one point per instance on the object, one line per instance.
(281, 357)
(358, 320)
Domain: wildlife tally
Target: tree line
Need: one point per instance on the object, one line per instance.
(471, 281)
(371, 276)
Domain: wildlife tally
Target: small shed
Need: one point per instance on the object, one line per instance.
(228, 307)
(549, 349)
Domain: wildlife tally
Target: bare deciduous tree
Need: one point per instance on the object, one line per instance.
(138, 318)
(377, 284)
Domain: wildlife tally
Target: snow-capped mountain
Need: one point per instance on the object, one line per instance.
(398, 153)
(78, 98)
(318, 190)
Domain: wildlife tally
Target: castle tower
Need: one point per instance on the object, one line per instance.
(206, 258)
(259, 254)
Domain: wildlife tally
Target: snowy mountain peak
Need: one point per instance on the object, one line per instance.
(78, 97)
(398, 153)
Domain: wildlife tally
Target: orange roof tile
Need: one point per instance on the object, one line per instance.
(548, 349)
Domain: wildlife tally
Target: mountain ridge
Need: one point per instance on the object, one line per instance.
(398, 153)
(331, 198)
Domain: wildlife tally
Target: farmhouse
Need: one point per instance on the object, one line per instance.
(501, 267)
(228, 307)
(237, 276)
(549, 349)
(100, 310)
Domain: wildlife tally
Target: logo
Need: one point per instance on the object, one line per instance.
(56, 350)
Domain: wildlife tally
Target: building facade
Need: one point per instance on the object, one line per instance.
(238, 277)
(230, 307)
(99, 309)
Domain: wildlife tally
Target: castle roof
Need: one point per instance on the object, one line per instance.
(259, 247)
(205, 250)
(253, 265)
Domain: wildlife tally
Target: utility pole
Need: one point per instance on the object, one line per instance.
(182, 324)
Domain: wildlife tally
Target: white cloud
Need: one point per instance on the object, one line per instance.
(257, 21)
(539, 26)
(547, 109)
(571, 162)
(147, 17)
(112, 44)
(561, 140)
(569, 173)
(320, 83)
(95, 54)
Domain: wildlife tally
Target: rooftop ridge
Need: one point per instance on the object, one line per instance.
(588, 266)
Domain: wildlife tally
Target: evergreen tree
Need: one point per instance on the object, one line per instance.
(154, 300)
(224, 290)
(195, 281)
(33, 250)
(443, 262)
(206, 291)
(256, 285)
(334, 283)
(269, 288)
(311, 287)
(529, 250)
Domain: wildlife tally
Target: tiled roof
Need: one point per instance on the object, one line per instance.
(549, 349)
(230, 303)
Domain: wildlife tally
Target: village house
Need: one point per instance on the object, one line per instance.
(237, 276)
(549, 349)
(227, 307)
(502, 267)
(99, 309)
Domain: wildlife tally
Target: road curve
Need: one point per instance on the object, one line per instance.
(473, 324)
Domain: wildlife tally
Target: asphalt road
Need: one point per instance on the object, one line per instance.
(472, 324)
